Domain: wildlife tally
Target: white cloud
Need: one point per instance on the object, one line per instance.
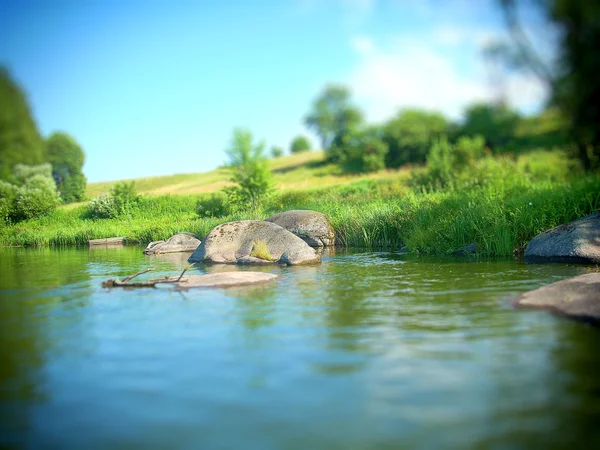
(422, 73)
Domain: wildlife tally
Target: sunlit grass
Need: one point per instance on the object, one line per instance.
(500, 207)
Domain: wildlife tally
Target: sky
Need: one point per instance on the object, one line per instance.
(157, 87)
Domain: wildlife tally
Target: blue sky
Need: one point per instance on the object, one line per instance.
(156, 87)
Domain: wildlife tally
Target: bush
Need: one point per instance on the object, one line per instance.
(34, 196)
(215, 205)
(8, 193)
(300, 144)
(250, 170)
(121, 200)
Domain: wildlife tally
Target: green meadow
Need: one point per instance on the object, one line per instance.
(499, 203)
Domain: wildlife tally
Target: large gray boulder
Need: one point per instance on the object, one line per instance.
(311, 226)
(253, 242)
(577, 297)
(181, 242)
(577, 241)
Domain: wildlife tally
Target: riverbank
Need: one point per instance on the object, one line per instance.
(500, 206)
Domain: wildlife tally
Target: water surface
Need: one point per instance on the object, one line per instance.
(367, 350)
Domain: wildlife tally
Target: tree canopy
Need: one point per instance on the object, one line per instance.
(20, 140)
(332, 113)
(67, 159)
(410, 134)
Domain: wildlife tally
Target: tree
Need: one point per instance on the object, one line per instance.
(332, 113)
(276, 151)
(361, 150)
(300, 144)
(410, 134)
(20, 141)
(67, 159)
(574, 83)
(250, 171)
(497, 123)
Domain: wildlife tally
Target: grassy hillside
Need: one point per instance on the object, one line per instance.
(498, 203)
(294, 172)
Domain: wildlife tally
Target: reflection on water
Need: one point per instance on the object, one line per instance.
(367, 350)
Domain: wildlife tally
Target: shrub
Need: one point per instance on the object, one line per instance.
(34, 196)
(121, 200)
(300, 144)
(251, 173)
(124, 197)
(102, 207)
(215, 205)
(8, 193)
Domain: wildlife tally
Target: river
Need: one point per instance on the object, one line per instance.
(368, 350)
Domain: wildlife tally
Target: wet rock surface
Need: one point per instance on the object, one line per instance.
(311, 226)
(577, 297)
(253, 242)
(577, 241)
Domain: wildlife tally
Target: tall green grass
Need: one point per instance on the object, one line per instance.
(498, 204)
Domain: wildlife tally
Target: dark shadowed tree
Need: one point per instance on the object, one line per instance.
(575, 83)
(67, 159)
(496, 122)
(20, 141)
(332, 113)
(300, 144)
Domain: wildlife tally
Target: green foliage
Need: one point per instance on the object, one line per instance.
(67, 159)
(276, 151)
(8, 194)
(250, 171)
(332, 113)
(410, 134)
(300, 144)
(34, 195)
(496, 122)
(20, 141)
(214, 205)
(122, 200)
(360, 150)
(446, 162)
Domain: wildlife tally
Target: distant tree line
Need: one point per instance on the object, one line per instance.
(26, 158)
(409, 136)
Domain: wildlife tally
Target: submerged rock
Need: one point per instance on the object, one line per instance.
(253, 242)
(312, 227)
(467, 250)
(577, 297)
(577, 241)
(181, 242)
(225, 279)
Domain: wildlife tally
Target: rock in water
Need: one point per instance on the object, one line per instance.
(253, 242)
(181, 242)
(311, 226)
(577, 241)
(577, 297)
(226, 279)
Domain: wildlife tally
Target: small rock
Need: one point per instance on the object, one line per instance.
(226, 279)
(181, 242)
(253, 242)
(311, 226)
(467, 250)
(577, 297)
(577, 241)
(403, 250)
